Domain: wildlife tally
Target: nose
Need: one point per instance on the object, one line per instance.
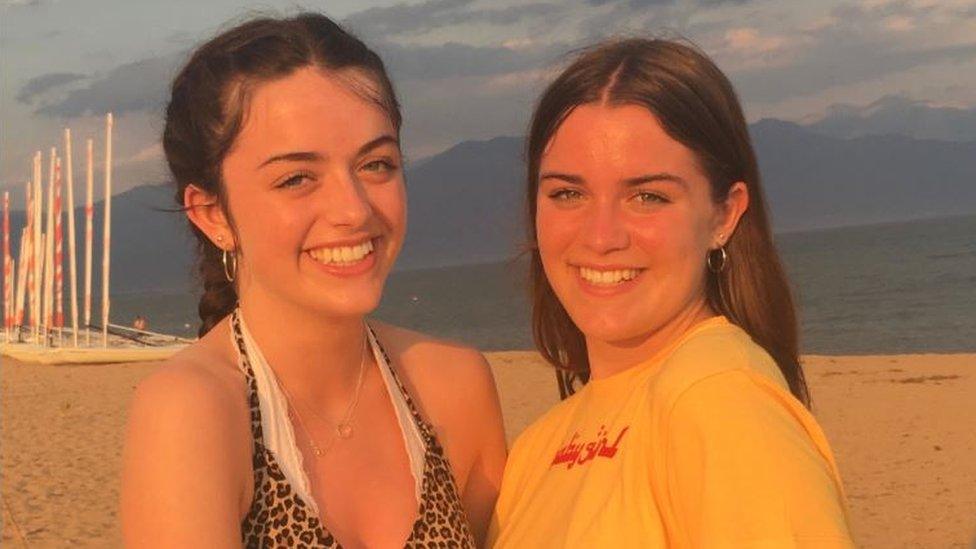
(346, 202)
(604, 229)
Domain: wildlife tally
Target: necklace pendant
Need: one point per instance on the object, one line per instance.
(344, 430)
(317, 451)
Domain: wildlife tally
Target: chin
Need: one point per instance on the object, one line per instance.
(360, 300)
(609, 327)
(346, 309)
(360, 304)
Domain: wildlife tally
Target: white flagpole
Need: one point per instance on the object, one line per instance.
(89, 214)
(48, 288)
(72, 254)
(38, 248)
(28, 261)
(49, 251)
(58, 254)
(22, 273)
(107, 233)
(8, 270)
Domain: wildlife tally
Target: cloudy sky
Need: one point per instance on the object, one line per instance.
(468, 69)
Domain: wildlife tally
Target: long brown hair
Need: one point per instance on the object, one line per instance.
(697, 106)
(208, 100)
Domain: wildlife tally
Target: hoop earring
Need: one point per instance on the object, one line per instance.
(717, 266)
(227, 270)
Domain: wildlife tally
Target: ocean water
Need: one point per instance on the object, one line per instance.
(895, 288)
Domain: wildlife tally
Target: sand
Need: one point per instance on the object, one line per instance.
(903, 429)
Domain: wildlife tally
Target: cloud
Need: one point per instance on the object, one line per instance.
(631, 3)
(748, 48)
(832, 65)
(13, 4)
(899, 23)
(439, 114)
(659, 18)
(137, 86)
(403, 19)
(468, 88)
(45, 82)
(899, 15)
(150, 153)
(453, 59)
(749, 40)
(649, 3)
(850, 45)
(141, 86)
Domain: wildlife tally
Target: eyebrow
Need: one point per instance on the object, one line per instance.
(568, 178)
(385, 139)
(312, 156)
(652, 177)
(630, 181)
(297, 156)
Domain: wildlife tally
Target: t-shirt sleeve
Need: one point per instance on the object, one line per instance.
(747, 466)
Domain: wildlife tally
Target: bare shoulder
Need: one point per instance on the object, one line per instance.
(200, 378)
(451, 383)
(195, 400)
(436, 362)
(187, 449)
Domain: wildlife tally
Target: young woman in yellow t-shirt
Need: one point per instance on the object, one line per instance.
(657, 286)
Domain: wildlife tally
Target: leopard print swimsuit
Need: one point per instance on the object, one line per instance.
(278, 517)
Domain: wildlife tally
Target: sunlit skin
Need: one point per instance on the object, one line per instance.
(616, 193)
(316, 167)
(295, 185)
(296, 182)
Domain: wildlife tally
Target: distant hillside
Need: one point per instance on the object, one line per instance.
(466, 204)
(816, 181)
(897, 115)
(150, 248)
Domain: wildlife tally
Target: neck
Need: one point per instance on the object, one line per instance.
(610, 357)
(316, 358)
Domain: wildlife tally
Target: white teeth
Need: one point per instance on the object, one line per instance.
(607, 278)
(342, 254)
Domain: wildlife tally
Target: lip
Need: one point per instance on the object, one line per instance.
(608, 267)
(351, 241)
(606, 291)
(348, 270)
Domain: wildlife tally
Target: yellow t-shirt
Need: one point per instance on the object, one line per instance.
(701, 446)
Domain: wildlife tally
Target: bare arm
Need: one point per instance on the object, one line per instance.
(488, 435)
(185, 462)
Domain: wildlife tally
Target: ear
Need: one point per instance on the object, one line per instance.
(204, 211)
(730, 211)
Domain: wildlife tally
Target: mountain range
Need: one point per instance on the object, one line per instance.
(466, 204)
(898, 115)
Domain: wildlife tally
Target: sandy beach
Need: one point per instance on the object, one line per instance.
(903, 429)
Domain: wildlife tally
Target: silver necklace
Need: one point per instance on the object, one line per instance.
(343, 429)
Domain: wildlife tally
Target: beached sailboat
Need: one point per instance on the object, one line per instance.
(34, 320)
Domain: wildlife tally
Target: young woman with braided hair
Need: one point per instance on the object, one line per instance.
(294, 422)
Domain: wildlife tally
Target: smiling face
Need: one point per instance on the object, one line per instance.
(624, 220)
(315, 189)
